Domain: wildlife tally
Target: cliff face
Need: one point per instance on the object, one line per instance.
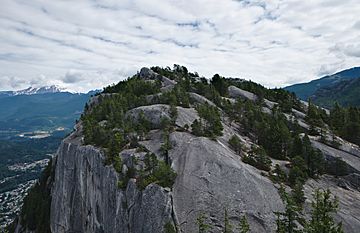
(211, 177)
(85, 196)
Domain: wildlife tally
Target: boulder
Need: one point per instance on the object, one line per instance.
(235, 92)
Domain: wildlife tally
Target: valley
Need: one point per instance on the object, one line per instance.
(33, 122)
(22, 159)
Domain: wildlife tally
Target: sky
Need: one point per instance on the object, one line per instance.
(88, 44)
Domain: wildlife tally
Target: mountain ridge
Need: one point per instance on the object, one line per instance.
(156, 152)
(307, 90)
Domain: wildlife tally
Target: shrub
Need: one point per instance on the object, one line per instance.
(235, 144)
(258, 158)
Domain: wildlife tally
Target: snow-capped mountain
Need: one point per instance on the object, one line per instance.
(35, 90)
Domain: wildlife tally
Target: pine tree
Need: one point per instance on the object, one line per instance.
(322, 220)
(244, 226)
(287, 221)
(169, 228)
(202, 226)
(298, 194)
(228, 228)
(235, 144)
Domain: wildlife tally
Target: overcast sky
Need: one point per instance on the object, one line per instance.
(88, 44)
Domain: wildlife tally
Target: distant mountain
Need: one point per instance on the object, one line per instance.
(306, 90)
(40, 108)
(34, 91)
(345, 92)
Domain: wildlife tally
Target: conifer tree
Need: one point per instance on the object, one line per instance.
(228, 228)
(202, 226)
(322, 220)
(244, 226)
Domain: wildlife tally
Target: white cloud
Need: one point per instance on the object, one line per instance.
(89, 44)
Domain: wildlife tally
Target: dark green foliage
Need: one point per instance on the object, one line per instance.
(297, 194)
(235, 144)
(244, 226)
(314, 115)
(169, 228)
(27, 113)
(257, 157)
(286, 100)
(220, 84)
(287, 221)
(346, 122)
(166, 146)
(345, 93)
(313, 158)
(271, 131)
(136, 86)
(323, 208)
(322, 221)
(173, 113)
(276, 138)
(35, 213)
(278, 175)
(117, 163)
(156, 171)
(202, 226)
(305, 90)
(338, 167)
(306, 161)
(209, 124)
(228, 228)
(197, 128)
(297, 171)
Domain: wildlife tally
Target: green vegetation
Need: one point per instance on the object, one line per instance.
(287, 221)
(106, 126)
(346, 122)
(209, 124)
(342, 87)
(323, 208)
(235, 144)
(228, 228)
(244, 226)
(158, 172)
(24, 150)
(257, 157)
(345, 92)
(35, 213)
(169, 228)
(202, 226)
(28, 113)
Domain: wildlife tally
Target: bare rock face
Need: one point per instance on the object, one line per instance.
(211, 178)
(235, 92)
(352, 160)
(85, 197)
(200, 99)
(155, 113)
(349, 205)
(148, 74)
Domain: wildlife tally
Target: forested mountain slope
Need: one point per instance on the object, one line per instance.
(341, 87)
(169, 151)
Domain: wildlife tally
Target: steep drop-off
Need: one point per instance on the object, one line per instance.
(88, 193)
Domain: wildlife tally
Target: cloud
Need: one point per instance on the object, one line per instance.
(95, 43)
(353, 50)
(72, 77)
